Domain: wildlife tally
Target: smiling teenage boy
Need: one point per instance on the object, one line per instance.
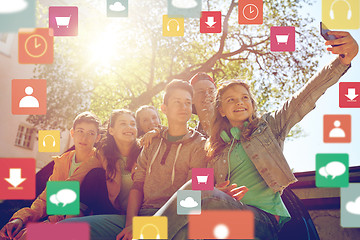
(85, 132)
(166, 164)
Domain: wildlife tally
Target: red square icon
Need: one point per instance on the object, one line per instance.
(282, 39)
(250, 12)
(349, 95)
(28, 97)
(17, 178)
(224, 224)
(202, 179)
(337, 128)
(210, 22)
(64, 20)
(59, 231)
(36, 46)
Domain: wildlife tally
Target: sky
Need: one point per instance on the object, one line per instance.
(300, 153)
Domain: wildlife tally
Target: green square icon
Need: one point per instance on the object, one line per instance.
(63, 198)
(332, 170)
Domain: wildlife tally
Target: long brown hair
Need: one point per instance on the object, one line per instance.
(218, 123)
(110, 150)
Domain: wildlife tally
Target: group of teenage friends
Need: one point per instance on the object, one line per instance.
(125, 177)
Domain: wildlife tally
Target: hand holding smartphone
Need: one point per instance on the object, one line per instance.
(324, 33)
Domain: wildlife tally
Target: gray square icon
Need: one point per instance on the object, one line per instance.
(188, 202)
(185, 8)
(117, 8)
(15, 14)
(350, 206)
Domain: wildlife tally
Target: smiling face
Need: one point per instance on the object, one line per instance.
(204, 94)
(178, 107)
(148, 120)
(236, 105)
(85, 135)
(124, 128)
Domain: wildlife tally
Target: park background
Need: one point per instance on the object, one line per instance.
(126, 62)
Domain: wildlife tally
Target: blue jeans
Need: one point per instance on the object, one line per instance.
(266, 226)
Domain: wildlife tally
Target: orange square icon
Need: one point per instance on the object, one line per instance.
(28, 97)
(337, 128)
(222, 224)
(36, 46)
(250, 12)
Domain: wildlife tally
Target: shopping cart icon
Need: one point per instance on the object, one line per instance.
(202, 179)
(282, 38)
(63, 21)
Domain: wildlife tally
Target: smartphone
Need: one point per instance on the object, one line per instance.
(324, 32)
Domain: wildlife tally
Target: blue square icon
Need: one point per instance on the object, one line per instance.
(188, 202)
(185, 8)
(15, 14)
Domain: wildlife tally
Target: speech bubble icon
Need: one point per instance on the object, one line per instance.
(323, 172)
(54, 200)
(66, 196)
(335, 169)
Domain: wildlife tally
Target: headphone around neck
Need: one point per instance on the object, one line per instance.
(177, 25)
(152, 225)
(52, 138)
(332, 15)
(235, 133)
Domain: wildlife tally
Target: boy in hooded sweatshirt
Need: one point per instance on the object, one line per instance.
(166, 164)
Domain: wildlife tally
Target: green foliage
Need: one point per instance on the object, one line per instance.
(126, 62)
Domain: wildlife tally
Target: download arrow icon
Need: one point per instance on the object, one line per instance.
(351, 94)
(210, 22)
(15, 177)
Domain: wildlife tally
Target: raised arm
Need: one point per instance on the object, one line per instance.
(303, 101)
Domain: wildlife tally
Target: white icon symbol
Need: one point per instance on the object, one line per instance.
(177, 25)
(221, 231)
(54, 142)
(353, 207)
(62, 21)
(152, 225)
(64, 196)
(184, 3)
(337, 132)
(332, 15)
(202, 179)
(29, 101)
(210, 22)
(351, 95)
(250, 8)
(189, 202)
(282, 39)
(333, 169)
(15, 178)
(117, 7)
(12, 6)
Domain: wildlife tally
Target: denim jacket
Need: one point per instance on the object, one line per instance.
(265, 146)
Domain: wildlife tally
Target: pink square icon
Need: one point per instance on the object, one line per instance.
(210, 22)
(282, 39)
(64, 21)
(59, 231)
(349, 95)
(202, 179)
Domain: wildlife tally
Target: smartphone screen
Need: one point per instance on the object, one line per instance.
(324, 30)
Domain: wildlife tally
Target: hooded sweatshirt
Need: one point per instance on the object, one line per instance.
(163, 167)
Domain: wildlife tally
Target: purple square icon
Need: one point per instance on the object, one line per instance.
(282, 39)
(202, 179)
(60, 231)
(64, 21)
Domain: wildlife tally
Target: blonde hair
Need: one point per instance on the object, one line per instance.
(218, 123)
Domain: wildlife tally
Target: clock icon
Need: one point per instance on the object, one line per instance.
(250, 11)
(36, 46)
